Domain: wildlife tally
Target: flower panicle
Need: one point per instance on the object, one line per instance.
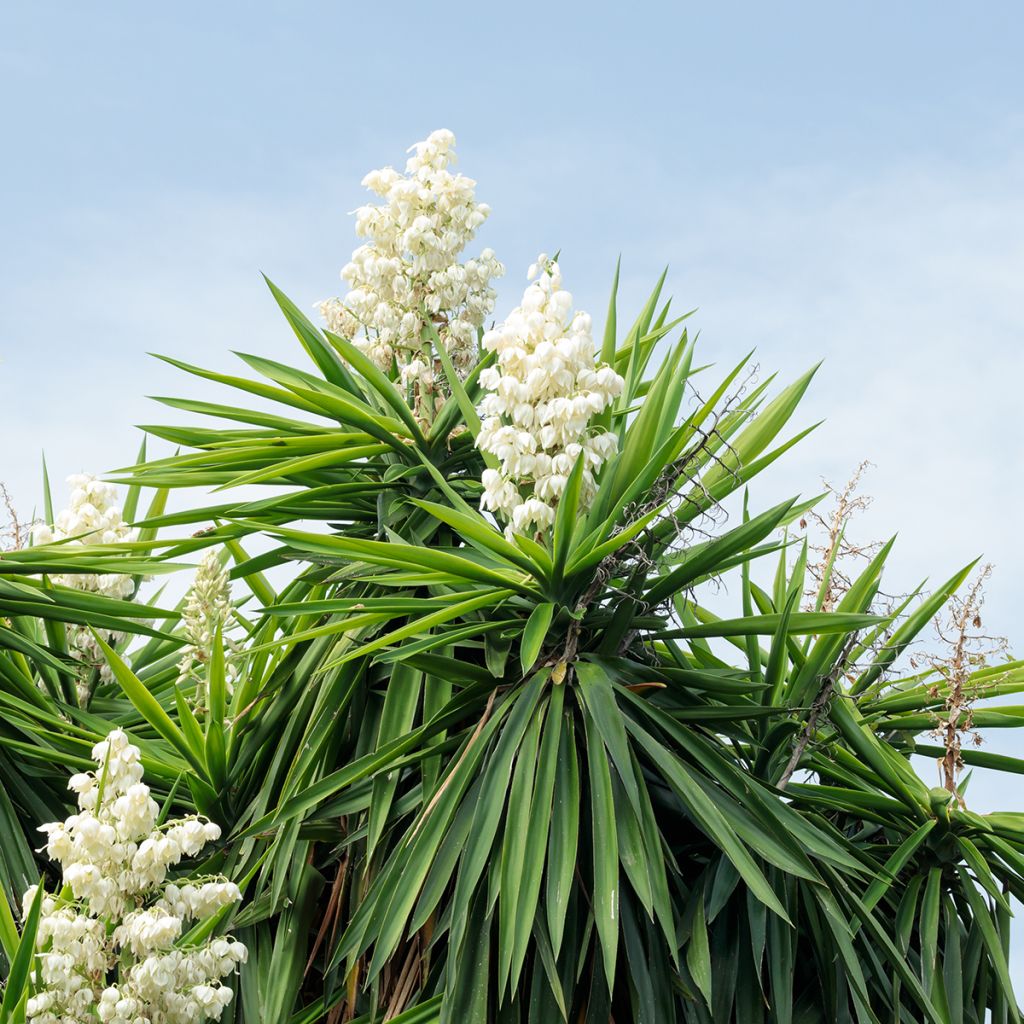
(207, 613)
(108, 952)
(93, 519)
(542, 395)
(407, 274)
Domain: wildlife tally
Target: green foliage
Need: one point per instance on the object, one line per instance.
(472, 777)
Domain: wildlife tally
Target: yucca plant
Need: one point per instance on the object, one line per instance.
(487, 760)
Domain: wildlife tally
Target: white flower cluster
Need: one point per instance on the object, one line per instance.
(92, 519)
(408, 270)
(207, 609)
(544, 391)
(106, 945)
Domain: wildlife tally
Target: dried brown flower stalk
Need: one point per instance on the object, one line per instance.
(967, 649)
(827, 569)
(13, 533)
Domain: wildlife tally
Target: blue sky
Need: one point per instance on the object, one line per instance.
(825, 181)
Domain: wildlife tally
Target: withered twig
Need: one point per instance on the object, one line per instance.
(820, 703)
